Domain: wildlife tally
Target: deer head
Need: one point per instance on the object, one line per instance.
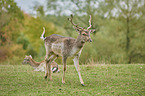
(84, 34)
(27, 59)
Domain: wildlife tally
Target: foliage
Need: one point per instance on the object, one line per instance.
(39, 9)
(106, 80)
(23, 40)
(4, 53)
(10, 26)
(33, 30)
(13, 54)
(18, 29)
(128, 12)
(117, 21)
(10, 18)
(119, 36)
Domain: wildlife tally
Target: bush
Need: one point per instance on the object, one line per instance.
(4, 53)
(13, 54)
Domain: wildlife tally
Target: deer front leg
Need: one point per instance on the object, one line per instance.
(76, 63)
(64, 69)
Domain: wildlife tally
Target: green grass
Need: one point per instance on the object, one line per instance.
(107, 80)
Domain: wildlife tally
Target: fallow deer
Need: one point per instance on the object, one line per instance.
(40, 66)
(57, 45)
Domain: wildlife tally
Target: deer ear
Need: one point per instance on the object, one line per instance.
(30, 56)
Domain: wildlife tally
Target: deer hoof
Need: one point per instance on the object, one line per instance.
(45, 77)
(83, 84)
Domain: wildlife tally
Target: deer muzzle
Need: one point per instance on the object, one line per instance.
(24, 62)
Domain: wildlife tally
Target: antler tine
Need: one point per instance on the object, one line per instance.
(89, 23)
(76, 25)
(70, 19)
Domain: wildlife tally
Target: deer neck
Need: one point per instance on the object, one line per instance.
(33, 63)
(79, 43)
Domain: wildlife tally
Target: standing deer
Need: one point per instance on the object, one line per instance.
(57, 45)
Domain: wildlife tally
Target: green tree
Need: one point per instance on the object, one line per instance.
(129, 12)
(119, 23)
(10, 18)
(23, 40)
(79, 8)
(33, 30)
(11, 24)
(39, 9)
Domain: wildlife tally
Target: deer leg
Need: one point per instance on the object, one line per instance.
(58, 70)
(46, 60)
(50, 60)
(52, 57)
(76, 63)
(64, 69)
(49, 67)
(46, 68)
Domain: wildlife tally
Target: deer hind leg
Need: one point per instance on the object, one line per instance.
(64, 69)
(46, 60)
(46, 70)
(76, 63)
(48, 65)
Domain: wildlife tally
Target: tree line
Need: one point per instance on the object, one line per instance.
(118, 39)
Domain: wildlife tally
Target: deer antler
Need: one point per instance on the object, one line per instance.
(76, 25)
(89, 23)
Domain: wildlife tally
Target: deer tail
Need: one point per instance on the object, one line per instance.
(43, 34)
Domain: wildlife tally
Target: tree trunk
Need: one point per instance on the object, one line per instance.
(128, 40)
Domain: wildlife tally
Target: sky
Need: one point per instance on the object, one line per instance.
(27, 5)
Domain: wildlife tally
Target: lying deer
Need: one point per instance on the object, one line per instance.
(57, 45)
(40, 66)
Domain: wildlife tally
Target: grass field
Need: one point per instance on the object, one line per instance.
(100, 80)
